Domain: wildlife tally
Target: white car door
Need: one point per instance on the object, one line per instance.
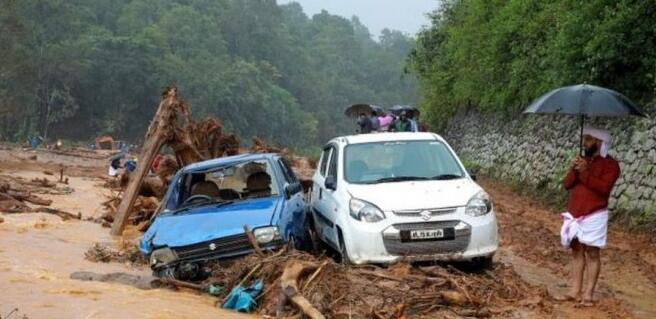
(323, 201)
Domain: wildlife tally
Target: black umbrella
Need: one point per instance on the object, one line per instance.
(585, 100)
(356, 109)
(397, 109)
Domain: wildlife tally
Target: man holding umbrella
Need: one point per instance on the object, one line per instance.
(589, 181)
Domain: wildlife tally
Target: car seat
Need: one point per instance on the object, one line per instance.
(205, 188)
(258, 185)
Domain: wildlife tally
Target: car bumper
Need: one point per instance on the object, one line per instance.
(381, 242)
(182, 254)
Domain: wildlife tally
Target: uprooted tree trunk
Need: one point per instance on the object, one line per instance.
(191, 141)
(158, 133)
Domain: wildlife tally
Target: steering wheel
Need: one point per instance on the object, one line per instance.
(193, 198)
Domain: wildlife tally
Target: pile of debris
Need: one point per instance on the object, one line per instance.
(298, 284)
(260, 147)
(17, 192)
(191, 141)
(142, 211)
(103, 253)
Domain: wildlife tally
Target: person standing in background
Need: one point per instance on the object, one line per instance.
(385, 120)
(364, 123)
(402, 124)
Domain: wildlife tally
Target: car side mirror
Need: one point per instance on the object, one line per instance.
(331, 183)
(292, 189)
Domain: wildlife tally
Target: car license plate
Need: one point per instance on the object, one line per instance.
(426, 234)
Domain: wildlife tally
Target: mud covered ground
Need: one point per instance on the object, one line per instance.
(39, 252)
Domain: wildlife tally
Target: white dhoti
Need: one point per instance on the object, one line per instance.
(590, 230)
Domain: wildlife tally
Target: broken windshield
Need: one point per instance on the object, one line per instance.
(244, 180)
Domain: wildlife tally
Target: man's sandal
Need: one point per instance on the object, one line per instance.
(567, 298)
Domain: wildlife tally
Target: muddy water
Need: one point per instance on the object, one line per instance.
(38, 252)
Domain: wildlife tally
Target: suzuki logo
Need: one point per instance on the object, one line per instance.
(212, 246)
(425, 215)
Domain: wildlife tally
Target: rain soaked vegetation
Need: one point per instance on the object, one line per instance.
(497, 56)
(265, 69)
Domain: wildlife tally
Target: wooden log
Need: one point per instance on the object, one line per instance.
(62, 214)
(43, 182)
(183, 284)
(289, 282)
(27, 197)
(8, 203)
(158, 133)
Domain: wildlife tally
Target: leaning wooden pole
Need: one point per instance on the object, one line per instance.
(158, 133)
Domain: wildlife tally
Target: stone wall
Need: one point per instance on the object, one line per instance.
(537, 149)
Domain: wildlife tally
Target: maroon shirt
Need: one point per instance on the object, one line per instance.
(589, 190)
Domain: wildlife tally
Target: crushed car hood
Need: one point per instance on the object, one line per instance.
(206, 223)
(416, 194)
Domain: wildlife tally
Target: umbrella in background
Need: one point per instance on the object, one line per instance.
(585, 101)
(356, 109)
(397, 109)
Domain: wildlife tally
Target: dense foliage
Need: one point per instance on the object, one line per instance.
(80, 68)
(498, 55)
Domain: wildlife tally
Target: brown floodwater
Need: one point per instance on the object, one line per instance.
(38, 252)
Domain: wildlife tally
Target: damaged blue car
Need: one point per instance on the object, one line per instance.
(209, 205)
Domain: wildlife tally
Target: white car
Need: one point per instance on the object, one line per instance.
(381, 198)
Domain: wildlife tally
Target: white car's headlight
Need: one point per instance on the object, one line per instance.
(365, 211)
(479, 204)
(162, 256)
(266, 234)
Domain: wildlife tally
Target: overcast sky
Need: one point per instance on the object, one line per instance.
(404, 15)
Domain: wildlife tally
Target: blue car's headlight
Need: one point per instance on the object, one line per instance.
(266, 235)
(162, 257)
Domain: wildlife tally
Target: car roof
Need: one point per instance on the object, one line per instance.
(228, 160)
(387, 137)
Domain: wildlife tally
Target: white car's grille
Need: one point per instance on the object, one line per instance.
(433, 211)
(458, 240)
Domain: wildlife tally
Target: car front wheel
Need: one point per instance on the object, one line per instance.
(483, 263)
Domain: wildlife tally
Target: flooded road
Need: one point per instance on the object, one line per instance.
(38, 253)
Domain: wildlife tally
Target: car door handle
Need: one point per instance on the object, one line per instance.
(320, 193)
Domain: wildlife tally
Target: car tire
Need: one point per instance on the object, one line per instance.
(483, 263)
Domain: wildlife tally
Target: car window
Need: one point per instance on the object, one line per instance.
(325, 156)
(332, 166)
(365, 163)
(287, 172)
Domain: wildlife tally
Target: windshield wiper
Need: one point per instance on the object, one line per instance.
(444, 177)
(213, 204)
(397, 179)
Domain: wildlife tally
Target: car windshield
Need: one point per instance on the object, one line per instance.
(244, 180)
(397, 161)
